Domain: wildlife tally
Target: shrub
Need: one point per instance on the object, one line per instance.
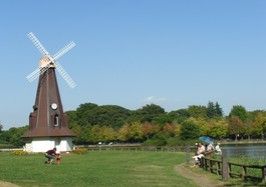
(80, 151)
(19, 153)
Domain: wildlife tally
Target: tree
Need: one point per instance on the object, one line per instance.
(13, 136)
(211, 110)
(217, 129)
(214, 110)
(189, 130)
(1, 127)
(163, 119)
(236, 126)
(219, 110)
(239, 111)
(149, 129)
(259, 124)
(179, 116)
(108, 134)
(90, 114)
(169, 129)
(147, 113)
(82, 113)
(131, 132)
(197, 111)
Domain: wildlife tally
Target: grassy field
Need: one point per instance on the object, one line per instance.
(99, 168)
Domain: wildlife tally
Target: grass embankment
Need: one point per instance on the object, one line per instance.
(99, 168)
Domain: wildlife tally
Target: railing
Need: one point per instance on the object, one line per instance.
(133, 147)
(234, 170)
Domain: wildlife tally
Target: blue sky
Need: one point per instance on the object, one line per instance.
(130, 53)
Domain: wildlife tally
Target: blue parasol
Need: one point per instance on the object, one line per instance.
(206, 139)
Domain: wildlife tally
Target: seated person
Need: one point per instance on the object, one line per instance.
(218, 150)
(199, 154)
(50, 155)
(210, 149)
(201, 149)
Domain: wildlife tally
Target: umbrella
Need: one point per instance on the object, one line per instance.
(206, 139)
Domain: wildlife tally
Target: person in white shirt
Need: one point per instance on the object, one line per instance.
(218, 150)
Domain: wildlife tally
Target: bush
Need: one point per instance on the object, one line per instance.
(157, 140)
(19, 153)
(80, 151)
(189, 130)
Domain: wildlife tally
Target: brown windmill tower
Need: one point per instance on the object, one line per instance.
(48, 124)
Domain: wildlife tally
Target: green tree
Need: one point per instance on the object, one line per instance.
(217, 129)
(147, 113)
(239, 111)
(131, 132)
(82, 113)
(236, 126)
(219, 110)
(214, 110)
(211, 110)
(197, 111)
(107, 115)
(189, 130)
(259, 124)
(179, 116)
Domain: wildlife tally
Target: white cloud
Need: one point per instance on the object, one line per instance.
(154, 99)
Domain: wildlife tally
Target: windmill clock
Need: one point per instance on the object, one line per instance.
(48, 124)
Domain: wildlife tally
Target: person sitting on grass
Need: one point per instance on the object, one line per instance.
(50, 155)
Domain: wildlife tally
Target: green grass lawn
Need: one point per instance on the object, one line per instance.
(99, 168)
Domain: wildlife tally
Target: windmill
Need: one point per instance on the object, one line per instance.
(48, 124)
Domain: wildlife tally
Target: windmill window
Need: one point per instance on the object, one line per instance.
(56, 120)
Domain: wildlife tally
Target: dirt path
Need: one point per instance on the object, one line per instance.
(200, 179)
(7, 184)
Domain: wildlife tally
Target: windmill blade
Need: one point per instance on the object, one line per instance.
(36, 73)
(37, 43)
(64, 50)
(65, 76)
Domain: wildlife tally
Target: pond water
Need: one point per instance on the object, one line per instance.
(249, 150)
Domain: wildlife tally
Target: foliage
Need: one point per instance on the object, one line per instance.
(236, 126)
(19, 153)
(179, 116)
(159, 139)
(131, 132)
(197, 111)
(80, 151)
(189, 130)
(240, 112)
(13, 136)
(214, 110)
(107, 115)
(93, 123)
(217, 129)
(147, 113)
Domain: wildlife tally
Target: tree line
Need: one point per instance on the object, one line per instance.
(152, 125)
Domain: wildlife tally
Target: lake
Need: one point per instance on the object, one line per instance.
(250, 150)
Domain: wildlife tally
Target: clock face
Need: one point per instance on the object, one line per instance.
(54, 106)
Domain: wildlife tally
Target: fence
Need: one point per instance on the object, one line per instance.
(253, 172)
(133, 148)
